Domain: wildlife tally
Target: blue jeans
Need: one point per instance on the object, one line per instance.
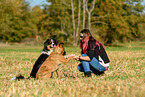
(94, 66)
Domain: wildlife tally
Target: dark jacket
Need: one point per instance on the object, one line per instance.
(95, 52)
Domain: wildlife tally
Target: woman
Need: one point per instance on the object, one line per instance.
(94, 58)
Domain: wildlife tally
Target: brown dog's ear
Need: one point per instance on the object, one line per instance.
(61, 44)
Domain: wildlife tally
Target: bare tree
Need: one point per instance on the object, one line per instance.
(73, 19)
(75, 31)
(89, 11)
(78, 21)
(84, 10)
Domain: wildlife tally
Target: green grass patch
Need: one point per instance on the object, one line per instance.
(125, 77)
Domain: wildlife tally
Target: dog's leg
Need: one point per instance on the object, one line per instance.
(45, 75)
(43, 72)
(66, 60)
(58, 73)
(51, 75)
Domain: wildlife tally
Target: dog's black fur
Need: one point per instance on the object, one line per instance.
(18, 77)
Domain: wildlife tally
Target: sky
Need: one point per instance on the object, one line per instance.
(37, 2)
(40, 2)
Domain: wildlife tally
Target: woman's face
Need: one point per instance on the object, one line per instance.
(81, 36)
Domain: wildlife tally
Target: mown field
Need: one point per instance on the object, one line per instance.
(125, 77)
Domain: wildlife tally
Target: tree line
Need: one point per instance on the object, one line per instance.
(108, 20)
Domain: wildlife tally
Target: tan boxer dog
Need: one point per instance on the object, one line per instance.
(52, 63)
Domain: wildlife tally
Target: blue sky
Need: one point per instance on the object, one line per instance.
(40, 2)
(36, 2)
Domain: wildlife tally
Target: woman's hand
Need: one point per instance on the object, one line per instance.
(76, 58)
(86, 58)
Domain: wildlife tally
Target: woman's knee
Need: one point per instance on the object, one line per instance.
(80, 68)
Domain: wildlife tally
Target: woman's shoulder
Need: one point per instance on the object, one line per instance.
(91, 42)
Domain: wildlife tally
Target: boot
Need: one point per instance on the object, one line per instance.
(87, 74)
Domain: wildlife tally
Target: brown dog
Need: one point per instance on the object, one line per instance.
(52, 63)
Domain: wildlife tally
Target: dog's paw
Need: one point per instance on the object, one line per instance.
(72, 55)
(66, 56)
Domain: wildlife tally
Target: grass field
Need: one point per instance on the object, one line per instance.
(125, 77)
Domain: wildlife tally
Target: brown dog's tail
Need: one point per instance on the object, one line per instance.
(18, 77)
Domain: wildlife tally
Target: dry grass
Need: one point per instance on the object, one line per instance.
(125, 77)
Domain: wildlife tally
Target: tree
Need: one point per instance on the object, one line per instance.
(109, 20)
(76, 30)
(84, 12)
(118, 20)
(67, 13)
(89, 11)
(14, 14)
(57, 19)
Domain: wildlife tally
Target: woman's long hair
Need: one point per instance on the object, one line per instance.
(84, 42)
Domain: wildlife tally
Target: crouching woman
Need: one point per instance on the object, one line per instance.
(94, 58)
